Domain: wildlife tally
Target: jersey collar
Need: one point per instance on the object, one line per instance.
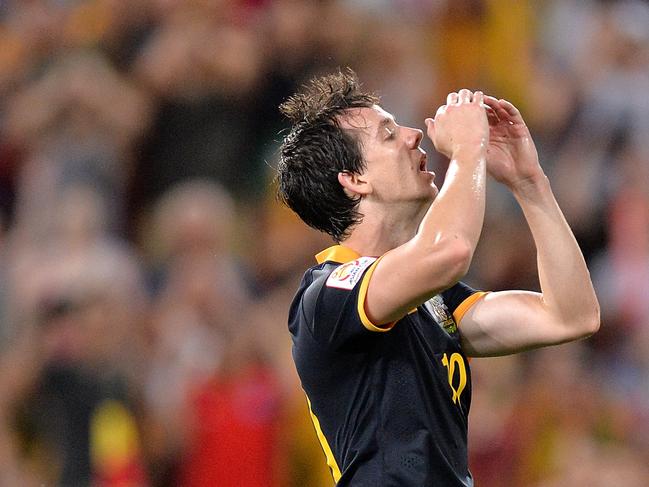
(337, 253)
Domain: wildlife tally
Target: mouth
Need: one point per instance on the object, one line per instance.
(423, 163)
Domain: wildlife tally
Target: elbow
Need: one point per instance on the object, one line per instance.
(594, 321)
(463, 259)
(592, 317)
(442, 263)
(588, 323)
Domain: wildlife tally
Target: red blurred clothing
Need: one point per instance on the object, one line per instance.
(234, 441)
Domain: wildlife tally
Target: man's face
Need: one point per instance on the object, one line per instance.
(395, 164)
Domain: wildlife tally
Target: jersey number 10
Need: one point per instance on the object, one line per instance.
(455, 362)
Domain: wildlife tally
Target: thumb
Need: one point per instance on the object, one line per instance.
(430, 127)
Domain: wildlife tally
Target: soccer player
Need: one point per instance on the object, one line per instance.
(382, 327)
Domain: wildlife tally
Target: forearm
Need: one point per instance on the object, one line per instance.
(458, 211)
(565, 282)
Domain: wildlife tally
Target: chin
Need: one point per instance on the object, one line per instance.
(428, 197)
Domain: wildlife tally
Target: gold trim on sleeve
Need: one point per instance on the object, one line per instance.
(362, 293)
(464, 306)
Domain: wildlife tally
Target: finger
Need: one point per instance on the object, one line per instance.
(491, 101)
(440, 110)
(492, 116)
(478, 97)
(498, 108)
(451, 98)
(510, 108)
(464, 96)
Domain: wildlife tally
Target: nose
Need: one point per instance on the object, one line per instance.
(414, 137)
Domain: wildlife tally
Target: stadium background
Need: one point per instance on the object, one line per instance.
(146, 269)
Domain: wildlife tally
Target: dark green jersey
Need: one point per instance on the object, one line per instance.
(390, 404)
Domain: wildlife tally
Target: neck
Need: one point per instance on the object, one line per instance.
(381, 231)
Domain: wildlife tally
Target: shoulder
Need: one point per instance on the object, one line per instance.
(328, 296)
(349, 274)
(333, 279)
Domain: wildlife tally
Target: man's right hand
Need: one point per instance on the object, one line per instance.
(461, 123)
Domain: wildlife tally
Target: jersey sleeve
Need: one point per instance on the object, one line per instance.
(460, 298)
(333, 305)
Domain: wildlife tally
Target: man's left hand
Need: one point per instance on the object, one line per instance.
(511, 156)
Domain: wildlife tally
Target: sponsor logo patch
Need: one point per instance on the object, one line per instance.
(347, 275)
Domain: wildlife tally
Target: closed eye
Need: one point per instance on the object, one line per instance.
(387, 129)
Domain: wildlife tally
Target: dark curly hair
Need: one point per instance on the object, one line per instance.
(316, 149)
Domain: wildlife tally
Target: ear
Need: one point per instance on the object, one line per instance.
(354, 184)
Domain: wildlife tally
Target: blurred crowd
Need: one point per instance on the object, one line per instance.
(146, 268)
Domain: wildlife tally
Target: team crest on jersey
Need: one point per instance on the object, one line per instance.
(347, 275)
(441, 313)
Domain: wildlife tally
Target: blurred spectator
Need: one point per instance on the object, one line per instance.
(74, 403)
(234, 422)
(196, 322)
(75, 124)
(202, 68)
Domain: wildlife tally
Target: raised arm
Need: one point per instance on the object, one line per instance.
(567, 308)
(442, 249)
